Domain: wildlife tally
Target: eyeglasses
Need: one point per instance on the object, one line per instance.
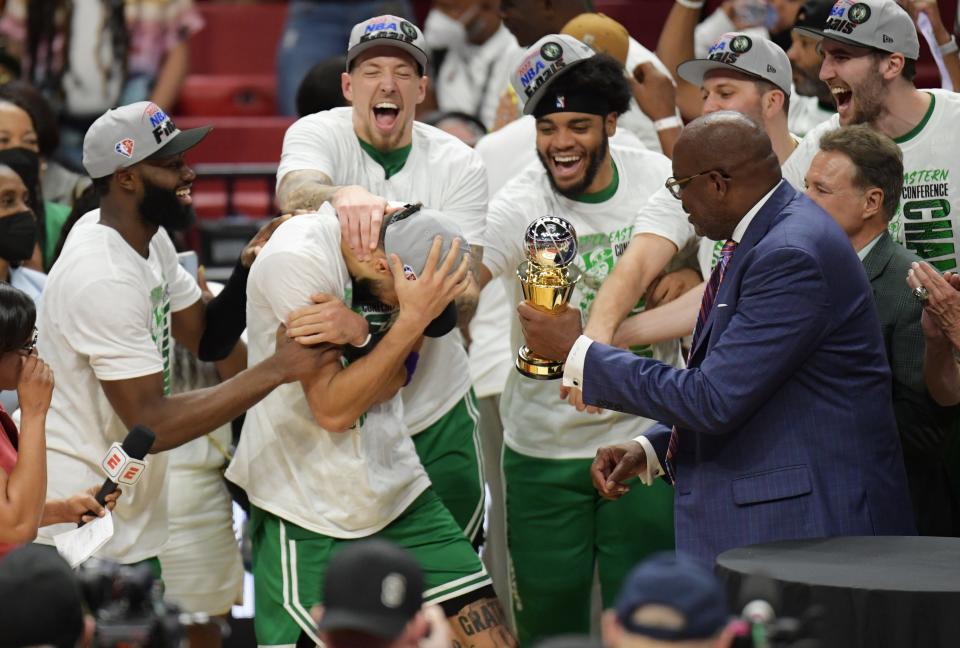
(676, 185)
(32, 344)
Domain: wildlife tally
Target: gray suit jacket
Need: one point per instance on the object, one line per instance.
(923, 425)
(917, 415)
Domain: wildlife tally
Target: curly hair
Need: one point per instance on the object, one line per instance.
(601, 75)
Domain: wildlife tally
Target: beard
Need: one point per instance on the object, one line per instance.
(161, 207)
(594, 159)
(868, 99)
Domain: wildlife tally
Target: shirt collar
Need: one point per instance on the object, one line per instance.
(865, 250)
(744, 223)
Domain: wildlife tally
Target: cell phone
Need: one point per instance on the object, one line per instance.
(188, 261)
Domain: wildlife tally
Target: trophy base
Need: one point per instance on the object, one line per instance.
(533, 366)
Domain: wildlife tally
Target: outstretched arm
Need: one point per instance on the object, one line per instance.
(641, 262)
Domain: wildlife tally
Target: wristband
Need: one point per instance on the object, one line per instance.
(668, 122)
(410, 364)
(690, 4)
(950, 47)
(364, 343)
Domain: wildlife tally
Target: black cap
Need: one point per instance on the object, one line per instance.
(40, 600)
(813, 14)
(372, 586)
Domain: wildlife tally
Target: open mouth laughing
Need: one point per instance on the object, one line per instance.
(385, 115)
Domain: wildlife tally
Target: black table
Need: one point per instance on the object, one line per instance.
(875, 592)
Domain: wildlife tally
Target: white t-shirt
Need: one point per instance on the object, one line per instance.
(634, 120)
(341, 484)
(472, 79)
(506, 153)
(927, 221)
(106, 316)
(806, 113)
(441, 172)
(535, 421)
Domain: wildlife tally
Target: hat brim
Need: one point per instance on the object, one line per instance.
(532, 102)
(418, 54)
(181, 142)
(695, 70)
(444, 322)
(386, 627)
(823, 34)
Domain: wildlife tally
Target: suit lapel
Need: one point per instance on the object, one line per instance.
(729, 287)
(877, 259)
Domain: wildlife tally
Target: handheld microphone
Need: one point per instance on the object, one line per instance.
(124, 463)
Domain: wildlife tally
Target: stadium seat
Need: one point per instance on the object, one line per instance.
(249, 95)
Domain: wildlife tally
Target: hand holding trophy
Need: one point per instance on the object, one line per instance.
(547, 278)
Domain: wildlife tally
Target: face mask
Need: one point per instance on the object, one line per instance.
(443, 32)
(18, 235)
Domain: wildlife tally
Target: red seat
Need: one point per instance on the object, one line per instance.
(235, 140)
(249, 95)
(237, 39)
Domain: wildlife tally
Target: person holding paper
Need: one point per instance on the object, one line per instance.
(23, 463)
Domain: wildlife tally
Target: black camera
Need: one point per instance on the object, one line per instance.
(127, 603)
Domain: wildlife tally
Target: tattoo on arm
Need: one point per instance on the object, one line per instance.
(481, 624)
(476, 260)
(305, 190)
(468, 301)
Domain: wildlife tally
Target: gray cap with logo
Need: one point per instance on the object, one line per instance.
(388, 31)
(757, 57)
(124, 136)
(542, 63)
(879, 24)
(409, 233)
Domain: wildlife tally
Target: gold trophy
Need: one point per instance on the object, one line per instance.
(547, 278)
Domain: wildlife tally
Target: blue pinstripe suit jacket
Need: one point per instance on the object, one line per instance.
(786, 427)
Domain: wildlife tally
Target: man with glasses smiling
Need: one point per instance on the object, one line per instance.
(781, 427)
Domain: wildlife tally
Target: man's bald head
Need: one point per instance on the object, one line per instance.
(728, 140)
(734, 164)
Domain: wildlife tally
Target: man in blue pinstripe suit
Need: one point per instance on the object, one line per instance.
(782, 425)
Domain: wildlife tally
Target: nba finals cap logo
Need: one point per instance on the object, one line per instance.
(124, 147)
(389, 27)
(729, 51)
(847, 16)
(538, 67)
(161, 125)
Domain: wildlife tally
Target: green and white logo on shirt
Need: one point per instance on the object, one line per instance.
(596, 255)
(923, 220)
(160, 329)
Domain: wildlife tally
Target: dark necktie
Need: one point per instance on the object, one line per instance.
(706, 305)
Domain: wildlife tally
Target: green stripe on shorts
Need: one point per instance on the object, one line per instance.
(450, 453)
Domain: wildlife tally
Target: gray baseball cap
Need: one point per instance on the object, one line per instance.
(390, 31)
(757, 57)
(543, 63)
(409, 234)
(124, 136)
(878, 24)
